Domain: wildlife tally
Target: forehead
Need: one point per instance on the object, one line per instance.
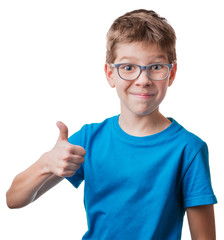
(140, 53)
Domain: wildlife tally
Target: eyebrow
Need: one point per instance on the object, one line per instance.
(152, 59)
(160, 57)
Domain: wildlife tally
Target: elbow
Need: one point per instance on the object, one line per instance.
(11, 206)
(12, 203)
(9, 201)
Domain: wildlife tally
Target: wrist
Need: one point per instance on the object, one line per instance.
(44, 163)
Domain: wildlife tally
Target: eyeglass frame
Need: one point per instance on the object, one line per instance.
(169, 65)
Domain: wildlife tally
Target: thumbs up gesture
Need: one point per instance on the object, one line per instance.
(65, 158)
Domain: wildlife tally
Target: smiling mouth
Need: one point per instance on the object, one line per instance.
(143, 95)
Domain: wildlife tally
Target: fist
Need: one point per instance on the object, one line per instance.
(65, 158)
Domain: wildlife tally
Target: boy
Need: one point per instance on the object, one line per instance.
(141, 169)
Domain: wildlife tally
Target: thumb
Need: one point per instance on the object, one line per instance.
(63, 131)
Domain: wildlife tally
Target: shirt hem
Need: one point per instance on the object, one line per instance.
(199, 201)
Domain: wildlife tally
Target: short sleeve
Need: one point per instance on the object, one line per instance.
(196, 186)
(77, 139)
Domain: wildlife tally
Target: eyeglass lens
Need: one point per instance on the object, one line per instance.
(132, 71)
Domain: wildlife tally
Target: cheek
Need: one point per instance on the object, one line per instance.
(122, 85)
(162, 88)
(122, 88)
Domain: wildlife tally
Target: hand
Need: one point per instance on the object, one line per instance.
(65, 158)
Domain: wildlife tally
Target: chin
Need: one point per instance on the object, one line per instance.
(145, 112)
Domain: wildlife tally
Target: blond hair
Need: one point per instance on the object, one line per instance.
(141, 26)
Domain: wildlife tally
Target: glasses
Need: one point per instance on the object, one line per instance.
(155, 71)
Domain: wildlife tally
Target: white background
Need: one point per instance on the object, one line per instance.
(52, 56)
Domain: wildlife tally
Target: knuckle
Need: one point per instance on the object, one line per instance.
(70, 148)
(82, 159)
(80, 150)
(61, 172)
(77, 167)
(83, 152)
(64, 165)
(70, 174)
(64, 173)
(79, 159)
(66, 157)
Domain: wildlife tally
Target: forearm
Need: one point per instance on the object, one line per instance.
(62, 161)
(25, 185)
(51, 182)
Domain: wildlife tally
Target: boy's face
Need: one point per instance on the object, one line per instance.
(143, 95)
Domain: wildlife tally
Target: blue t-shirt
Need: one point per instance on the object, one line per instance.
(138, 188)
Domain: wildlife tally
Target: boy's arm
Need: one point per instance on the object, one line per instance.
(27, 184)
(51, 182)
(62, 161)
(201, 221)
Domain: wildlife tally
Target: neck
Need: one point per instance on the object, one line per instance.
(143, 125)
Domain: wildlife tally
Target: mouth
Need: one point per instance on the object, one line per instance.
(142, 95)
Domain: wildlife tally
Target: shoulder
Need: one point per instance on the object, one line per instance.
(90, 130)
(189, 140)
(93, 127)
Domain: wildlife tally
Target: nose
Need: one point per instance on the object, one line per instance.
(143, 79)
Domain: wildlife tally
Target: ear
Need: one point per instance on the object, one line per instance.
(172, 74)
(109, 74)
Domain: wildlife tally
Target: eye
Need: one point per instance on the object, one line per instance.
(156, 67)
(128, 67)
